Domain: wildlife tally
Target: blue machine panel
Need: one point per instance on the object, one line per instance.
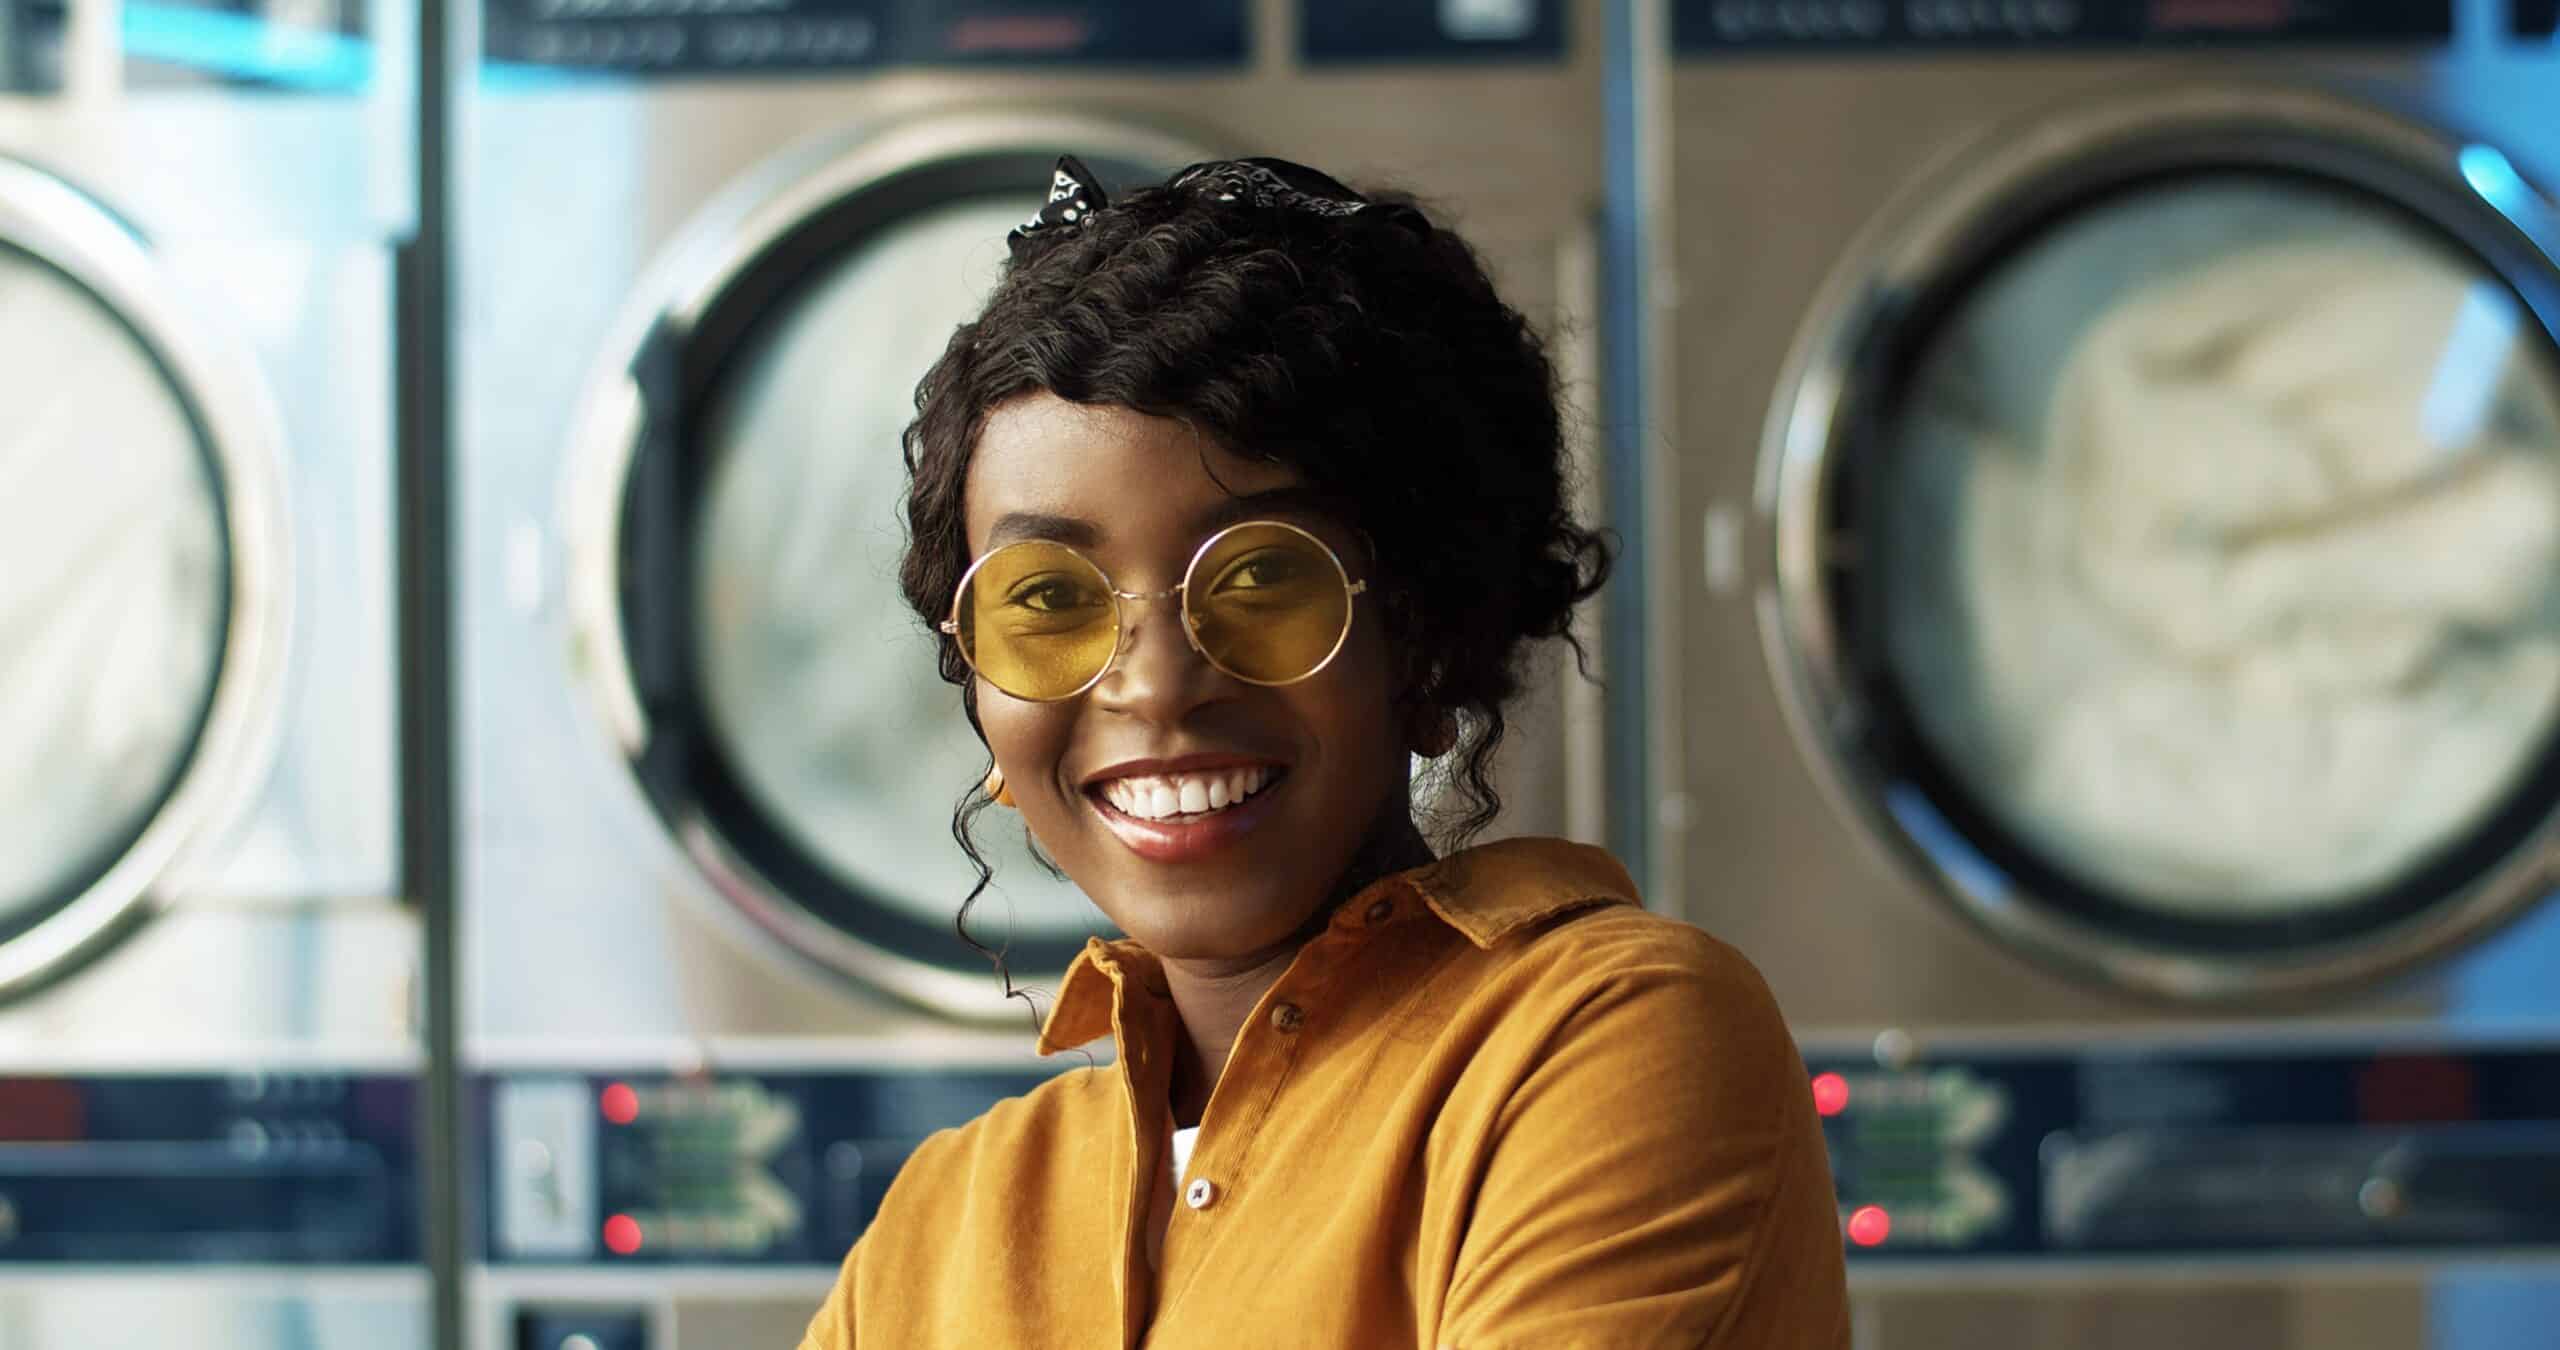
(322, 47)
(2131, 1153)
(1722, 27)
(2052, 1155)
(730, 1169)
(1359, 32)
(712, 37)
(294, 1168)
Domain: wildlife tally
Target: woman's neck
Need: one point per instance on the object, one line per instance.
(1213, 999)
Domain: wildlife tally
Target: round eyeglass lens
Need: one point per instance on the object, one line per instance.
(1268, 603)
(1037, 620)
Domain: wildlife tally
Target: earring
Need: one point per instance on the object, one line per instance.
(997, 792)
(1437, 737)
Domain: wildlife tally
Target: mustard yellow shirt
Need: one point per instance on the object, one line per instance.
(1494, 1104)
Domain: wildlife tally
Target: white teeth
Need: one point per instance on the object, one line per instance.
(1154, 798)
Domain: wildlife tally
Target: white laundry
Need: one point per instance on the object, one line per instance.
(2273, 612)
(111, 583)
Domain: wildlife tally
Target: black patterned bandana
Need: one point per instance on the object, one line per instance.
(1275, 184)
(1073, 195)
(1270, 182)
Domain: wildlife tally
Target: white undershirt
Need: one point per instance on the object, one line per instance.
(1183, 1140)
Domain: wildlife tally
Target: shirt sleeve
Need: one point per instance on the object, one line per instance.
(1657, 1178)
(832, 1328)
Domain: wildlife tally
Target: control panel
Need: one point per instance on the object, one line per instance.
(709, 37)
(1955, 1154)
(251, 1167)
(1720, 27)
(2193, 1152)
(1361, 32)
(727, 1168)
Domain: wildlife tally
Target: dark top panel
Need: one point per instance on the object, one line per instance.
(702, 37)
(31, 46)
(1361, 32)
(1725, 27)
(2537, 18)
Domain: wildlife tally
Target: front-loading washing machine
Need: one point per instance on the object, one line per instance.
(207, 1057)
(2107, 625)
(708, 767)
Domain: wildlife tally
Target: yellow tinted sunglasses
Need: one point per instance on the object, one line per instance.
(1263, 601)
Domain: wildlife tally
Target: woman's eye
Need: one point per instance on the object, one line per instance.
(1050, 594)
(1265, 568)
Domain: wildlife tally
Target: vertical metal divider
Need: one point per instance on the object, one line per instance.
(422, 411)
(1629, 605)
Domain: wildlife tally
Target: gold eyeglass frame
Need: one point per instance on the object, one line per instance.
(1352, 590)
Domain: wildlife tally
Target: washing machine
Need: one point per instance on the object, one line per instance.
(710, 886)
(2105, 627)
(207, 1057)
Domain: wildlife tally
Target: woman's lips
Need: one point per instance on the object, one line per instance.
(1173, 841)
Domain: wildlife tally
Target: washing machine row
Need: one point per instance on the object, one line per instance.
(2130, 624)
(2130, 605)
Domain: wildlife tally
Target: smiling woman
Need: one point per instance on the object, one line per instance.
(1239, 494)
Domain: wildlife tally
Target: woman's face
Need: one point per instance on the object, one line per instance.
(1132, 493)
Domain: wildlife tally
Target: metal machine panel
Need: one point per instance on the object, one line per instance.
(1895, 905)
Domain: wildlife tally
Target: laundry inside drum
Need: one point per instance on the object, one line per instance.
(819, 678)
(2217, 535)
(114, 587)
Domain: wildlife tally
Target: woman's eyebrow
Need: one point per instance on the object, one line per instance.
(1014, 526)
(1294, 500)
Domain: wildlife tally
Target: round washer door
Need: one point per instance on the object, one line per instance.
(779, 704)
(2169, 541)
(139, 564)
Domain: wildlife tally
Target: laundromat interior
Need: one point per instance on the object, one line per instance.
(2087, 627)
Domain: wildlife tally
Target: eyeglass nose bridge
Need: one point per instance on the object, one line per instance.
(1127, 628)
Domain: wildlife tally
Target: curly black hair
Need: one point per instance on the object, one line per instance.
(1369, 352)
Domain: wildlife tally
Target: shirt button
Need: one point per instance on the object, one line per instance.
(1201, 1194)
(1287, 1018)
(1382, 911)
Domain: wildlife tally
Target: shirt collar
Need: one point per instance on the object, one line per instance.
(1494, 890)
(1486, 893)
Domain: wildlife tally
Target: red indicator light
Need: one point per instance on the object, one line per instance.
(1870, 1226)
(622, 1234)
(621, 1104)
(1830, 1093)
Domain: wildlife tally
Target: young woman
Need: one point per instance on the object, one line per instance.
(1242, 492)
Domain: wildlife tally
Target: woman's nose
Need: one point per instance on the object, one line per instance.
(1156, 674)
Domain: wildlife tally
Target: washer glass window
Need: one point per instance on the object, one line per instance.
(2217, 532)
(815, 674)
(114, 596)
